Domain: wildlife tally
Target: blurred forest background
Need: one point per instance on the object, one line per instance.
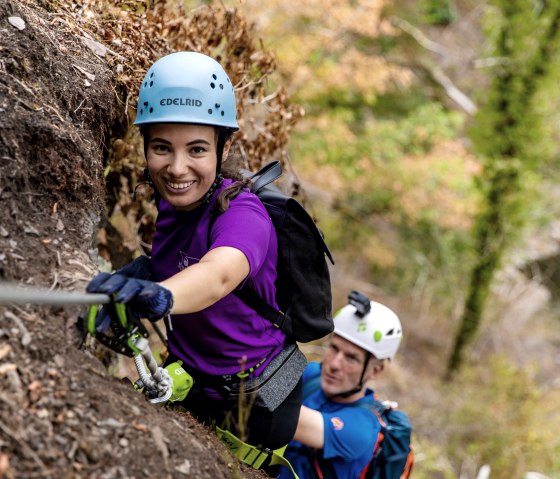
(424, 137)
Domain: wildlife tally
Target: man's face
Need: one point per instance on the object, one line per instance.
(343, 364)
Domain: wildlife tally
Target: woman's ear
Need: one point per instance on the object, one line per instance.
(227, 147)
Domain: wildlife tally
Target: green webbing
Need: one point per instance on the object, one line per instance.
(251, 455)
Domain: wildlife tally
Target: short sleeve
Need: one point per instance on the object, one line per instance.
(350, 433)
(246, 226)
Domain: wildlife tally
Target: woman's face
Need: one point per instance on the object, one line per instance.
(182, 161)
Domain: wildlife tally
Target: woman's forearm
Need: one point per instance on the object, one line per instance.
(217, 274)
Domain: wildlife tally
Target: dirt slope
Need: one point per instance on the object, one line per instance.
(61, 414)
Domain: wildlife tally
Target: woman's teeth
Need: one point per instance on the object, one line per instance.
(180, 186)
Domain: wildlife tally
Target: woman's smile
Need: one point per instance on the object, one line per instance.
(180, 186)
(182, 161)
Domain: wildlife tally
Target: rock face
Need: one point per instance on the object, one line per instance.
(62, 415)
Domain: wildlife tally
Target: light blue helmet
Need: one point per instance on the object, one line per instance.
(187, 87)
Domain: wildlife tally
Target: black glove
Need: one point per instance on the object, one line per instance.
(144, 298)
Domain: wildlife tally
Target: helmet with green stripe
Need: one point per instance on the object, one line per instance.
(369, 325)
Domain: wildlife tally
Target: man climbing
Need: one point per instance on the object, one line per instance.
(341, 425)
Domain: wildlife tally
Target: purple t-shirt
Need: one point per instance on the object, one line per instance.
(228, 336)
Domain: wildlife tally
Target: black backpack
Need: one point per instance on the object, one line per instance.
(303, 286)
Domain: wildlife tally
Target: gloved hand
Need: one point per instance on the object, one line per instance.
(145, 298)
(140, 268)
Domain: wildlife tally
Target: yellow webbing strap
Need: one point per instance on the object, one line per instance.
(251, 455)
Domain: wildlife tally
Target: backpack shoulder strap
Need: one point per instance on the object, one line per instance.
(252, 299)
(396, 433)
(266, 175)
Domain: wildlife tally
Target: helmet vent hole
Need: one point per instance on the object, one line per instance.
(390, 332)
(152, 75)
(221, 86)
(145, 103)
(145, 84)
(151, 84)
(141, 111)
(151, 110)
(213, 85)
(214, 76)
(223, 113)
(217, 105)
(209, 111)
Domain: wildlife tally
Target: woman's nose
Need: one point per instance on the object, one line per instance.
(178, 165)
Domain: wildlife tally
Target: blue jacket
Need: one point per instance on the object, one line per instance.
(350, 434)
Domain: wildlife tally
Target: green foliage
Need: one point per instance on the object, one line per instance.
(431, 461)
(416, 134)
(438, 12)
(336, 97)
(442, 256)
(383, 44)
(504, 128)
(398, 103)
(500, 417)
(344, 136)
(384, 164)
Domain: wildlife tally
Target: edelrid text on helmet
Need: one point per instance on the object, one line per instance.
(379, 331)
(187, 87)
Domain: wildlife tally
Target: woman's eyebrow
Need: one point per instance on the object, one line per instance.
(194, 142)
(159, 140)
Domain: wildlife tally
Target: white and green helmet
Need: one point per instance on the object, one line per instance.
(378, 331)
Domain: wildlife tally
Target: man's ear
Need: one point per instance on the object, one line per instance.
(379, 366)
(374, 368)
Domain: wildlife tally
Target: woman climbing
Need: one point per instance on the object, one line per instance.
(212, 237)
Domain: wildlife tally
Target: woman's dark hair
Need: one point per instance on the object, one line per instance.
(231, 168)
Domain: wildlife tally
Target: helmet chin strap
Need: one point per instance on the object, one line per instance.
(358, 387)
(208, 195)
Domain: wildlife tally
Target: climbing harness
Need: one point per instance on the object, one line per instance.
(252, 455)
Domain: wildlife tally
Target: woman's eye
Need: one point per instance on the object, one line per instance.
(160, 148)
(198, 150)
